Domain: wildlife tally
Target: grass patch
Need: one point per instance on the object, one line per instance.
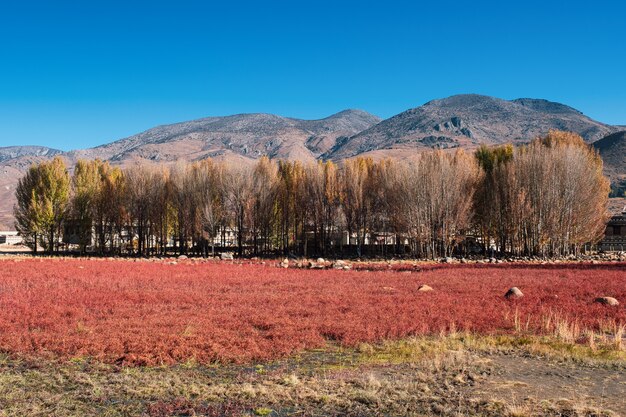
(428, 348)
(425, 375)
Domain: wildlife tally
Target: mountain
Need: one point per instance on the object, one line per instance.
(458, 121)
(467, 121)
(612, 149)
(242, 136)
(11, 152)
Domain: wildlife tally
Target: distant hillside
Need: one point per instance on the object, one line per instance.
(612, 149)
(467, 121)
(459, 121)
(11, 152)
(242, 135)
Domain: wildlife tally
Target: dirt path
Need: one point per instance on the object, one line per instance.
(518, 379)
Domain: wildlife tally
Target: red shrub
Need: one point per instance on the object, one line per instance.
(151, 313)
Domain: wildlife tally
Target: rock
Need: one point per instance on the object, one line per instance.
(226, 255)
(609, 301)
(339, 264)
(320, 260)
(513, 293)
(424, 288)
(181, 257)
(285, 263)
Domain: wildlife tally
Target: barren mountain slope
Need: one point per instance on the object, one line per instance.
(458, 121)
(241, 138)
(467, 121)
(11, 152)
(248, 135)
(612, 149)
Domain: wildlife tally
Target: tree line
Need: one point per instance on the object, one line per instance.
(545, 198)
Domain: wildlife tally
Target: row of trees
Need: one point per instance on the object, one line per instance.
(546, 198)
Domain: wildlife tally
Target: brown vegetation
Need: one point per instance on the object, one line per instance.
(547, 198)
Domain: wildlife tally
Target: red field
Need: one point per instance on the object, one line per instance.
(151, 313)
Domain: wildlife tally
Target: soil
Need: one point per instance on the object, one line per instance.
(526, 378)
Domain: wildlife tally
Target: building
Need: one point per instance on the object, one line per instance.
(10, 238)
(615, 234)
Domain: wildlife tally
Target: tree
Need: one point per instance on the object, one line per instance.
(433, 200)
(264, 192)
(547, 198)
(237, 192)
(27, 222)
(355, 200)
(86, 190)
(211, 201)
(493, 203)
(43, 195)
(137, 202)
(290, 202)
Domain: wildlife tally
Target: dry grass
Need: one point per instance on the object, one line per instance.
(417, 376)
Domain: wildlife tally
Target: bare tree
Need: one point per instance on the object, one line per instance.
(237, 192)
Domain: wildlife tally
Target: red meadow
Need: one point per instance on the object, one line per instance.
(151, 313)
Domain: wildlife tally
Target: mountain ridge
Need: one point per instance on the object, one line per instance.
(460, 121)
(11, 152)
(247, 134)
(469, 120)
(612, 149)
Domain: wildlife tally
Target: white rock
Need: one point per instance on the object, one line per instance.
(513, 292)
(609, 301)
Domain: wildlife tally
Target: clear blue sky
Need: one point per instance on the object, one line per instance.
(75, 74)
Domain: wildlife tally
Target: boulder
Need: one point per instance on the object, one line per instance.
(609, 301)
(320, 260)
(424, 288)
(513, 293)
(182, 257)
(339, 264)
(226, 255)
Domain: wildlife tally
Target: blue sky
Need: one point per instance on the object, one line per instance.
(75, 74)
